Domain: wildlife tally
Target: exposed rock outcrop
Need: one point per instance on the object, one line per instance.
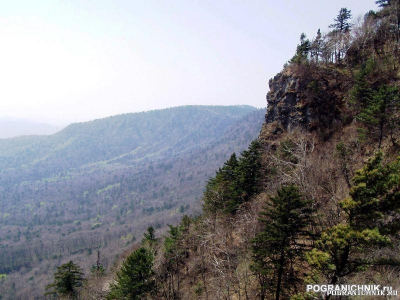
(284, 103)
(305, 100)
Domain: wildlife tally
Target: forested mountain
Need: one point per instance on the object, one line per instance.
(315, 200)
(10, 127)
(123, 139)
(100, 184)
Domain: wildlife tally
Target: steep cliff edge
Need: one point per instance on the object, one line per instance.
(311, 98)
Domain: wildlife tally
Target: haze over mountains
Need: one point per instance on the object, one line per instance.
(13, 127)
(101, 183)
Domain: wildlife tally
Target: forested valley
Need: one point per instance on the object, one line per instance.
(97, 186)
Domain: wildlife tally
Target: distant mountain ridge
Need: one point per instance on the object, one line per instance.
(122, 138)
(12, 127)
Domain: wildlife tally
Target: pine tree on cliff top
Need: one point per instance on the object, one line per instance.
(342, 23)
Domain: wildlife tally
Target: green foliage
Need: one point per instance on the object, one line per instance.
(221, 188)
(316, 47)
(361, 93)
(302, 50)
(174, 256)
(374, 200)
(135, 278)
(171, 241)
(374, 195)
(286, 228)
(384, 3)
(185, 223)
(235, 182)
(149, 239)
(248, 173)
(67, 281)
(198, 289)
(305, 296)
(174, 253)
(342, 23)
(380, 111)
(376, 103)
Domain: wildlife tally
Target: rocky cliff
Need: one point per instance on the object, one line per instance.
(306, 98)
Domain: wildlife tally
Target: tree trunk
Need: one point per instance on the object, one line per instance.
(280, 273)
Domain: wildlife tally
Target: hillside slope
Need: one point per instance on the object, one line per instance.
(123, 138)
(101, 183)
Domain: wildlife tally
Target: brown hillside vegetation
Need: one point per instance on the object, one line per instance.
(315, 200)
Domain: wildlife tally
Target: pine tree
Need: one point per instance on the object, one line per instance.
(174, 258)
(247, 174)
(316, 46)
(171, 241)
(149, 235)
(374, 195)
(135, 278)
(149, 240)
(286, 221)
(302, 50)
(221, 188)
(372, 215)
(235, 182)
(342, 23)
(362, 92)
(380, 111)
(67, 280)
(341, 28)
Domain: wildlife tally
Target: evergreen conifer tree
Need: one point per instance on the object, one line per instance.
(174, 259)
(342, 23)
(149, 239)
(286, 222)
(316, 45)
(372, 215)
(221, 188)
(362, 92)
(135, 278)
(302, 50)
(67, 281)
(341, 28)
(247, 174)
(380, 111)
(235, 182)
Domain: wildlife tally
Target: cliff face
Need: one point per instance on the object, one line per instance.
(306, 99)
(284, 103)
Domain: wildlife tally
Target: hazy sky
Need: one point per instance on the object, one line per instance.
(66, 61)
